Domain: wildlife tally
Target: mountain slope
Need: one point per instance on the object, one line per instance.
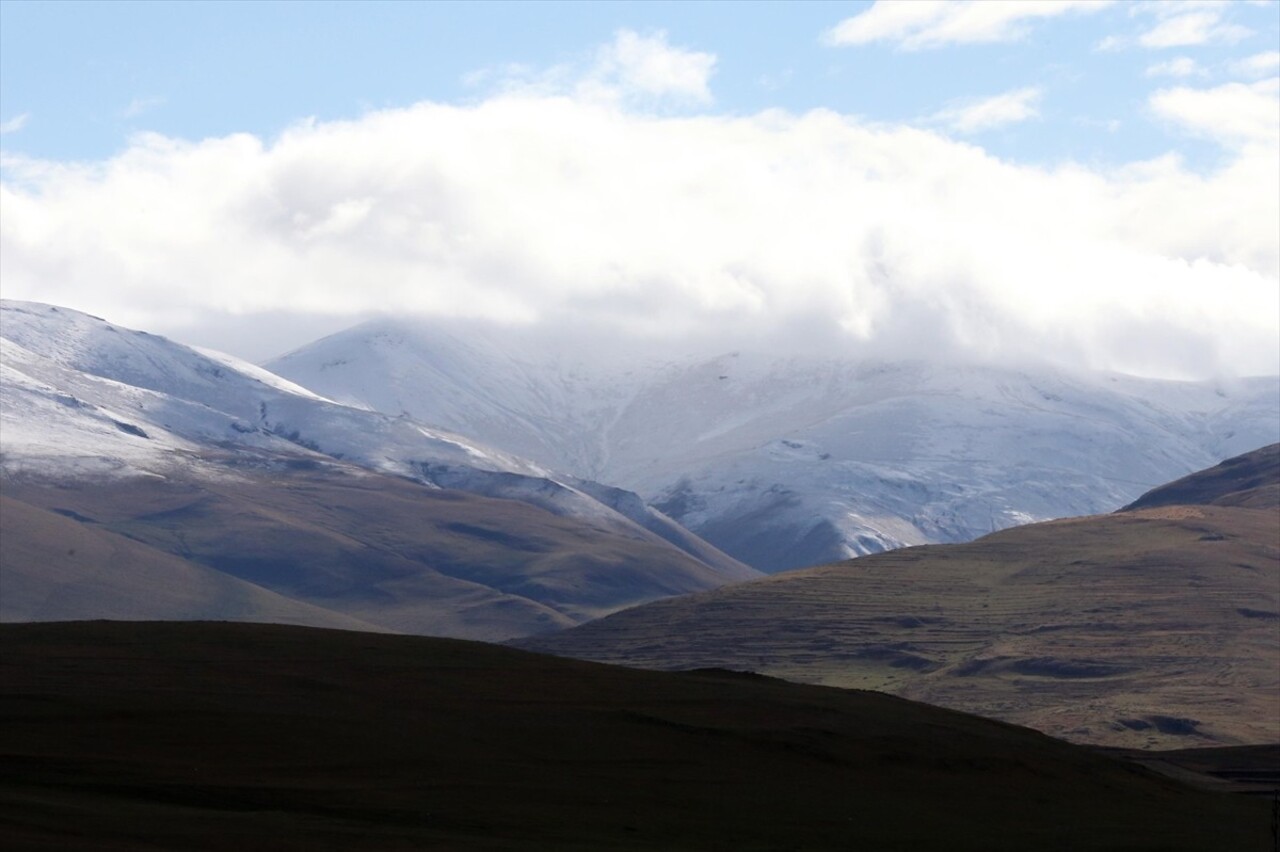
(93, 415)
(788, 461)
(54, 568)
(1151, 627)
(1251, 480)
(203, 736)
(384, 550)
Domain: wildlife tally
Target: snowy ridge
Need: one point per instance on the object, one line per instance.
(521, 391)
(253, 371)
(149, 386)
(787, 461)
(81, 396)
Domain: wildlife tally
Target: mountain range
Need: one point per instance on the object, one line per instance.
(475, 486)
(159, 457)
(795, 460)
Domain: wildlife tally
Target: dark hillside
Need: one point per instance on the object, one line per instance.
(1251, 480)
(220, 736)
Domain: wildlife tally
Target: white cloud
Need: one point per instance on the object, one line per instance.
(935, 23)
(1193, 28)
(989, 113)
(1181, 66)
(633, 67)
(649, 65)
(557, 210)
(1258, 65)
(1234, 114)
(15, 124)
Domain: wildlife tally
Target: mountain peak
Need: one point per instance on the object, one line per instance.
(98, 418)
(822, 457)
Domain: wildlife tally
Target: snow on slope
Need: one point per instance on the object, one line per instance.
(787, 461)
(523, 393)
(78, 387)
(80, 396)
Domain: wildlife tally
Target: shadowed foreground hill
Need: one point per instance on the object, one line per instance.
(1155, 627)
(220, 736)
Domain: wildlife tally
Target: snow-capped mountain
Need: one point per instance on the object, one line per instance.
(788, 461)
(80, 391)
(89, 406)
(85, 395)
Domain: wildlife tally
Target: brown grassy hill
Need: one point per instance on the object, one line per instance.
(381, 549)
(216, 736)
(52, 568)
(1148, 628)
(1251, 480)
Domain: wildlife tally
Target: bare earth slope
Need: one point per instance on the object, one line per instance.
(207, 736)
(1152, 627)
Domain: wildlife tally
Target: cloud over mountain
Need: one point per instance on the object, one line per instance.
(531, 206)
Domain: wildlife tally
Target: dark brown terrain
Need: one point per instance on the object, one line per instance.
(1251, 480)
(1154, 627)
(224, 736)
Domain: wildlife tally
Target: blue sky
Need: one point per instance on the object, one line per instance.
(88, 74)
(1155, 113)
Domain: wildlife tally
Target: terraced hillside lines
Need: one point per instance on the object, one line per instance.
(1157, 627)
(214, 736)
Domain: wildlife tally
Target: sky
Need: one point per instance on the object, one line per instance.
(1094, 185)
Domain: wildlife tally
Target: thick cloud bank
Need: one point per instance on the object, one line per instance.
(536, 208)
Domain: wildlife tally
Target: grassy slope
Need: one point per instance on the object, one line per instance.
(207, 736)
(53, 568)
(384, 550)
(1108, 629)
(1251, 480)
